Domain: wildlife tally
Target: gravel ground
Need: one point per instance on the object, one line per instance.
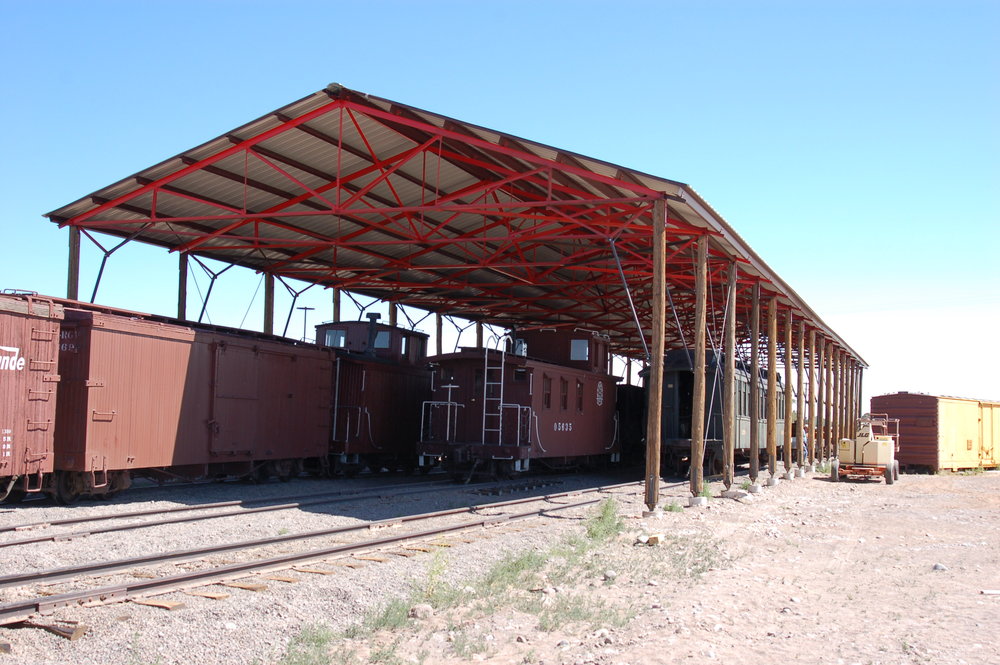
(247, 627)
(806, 572)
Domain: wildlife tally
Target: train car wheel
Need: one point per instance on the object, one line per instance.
(895, 469)
(67, 488)
(889, 480)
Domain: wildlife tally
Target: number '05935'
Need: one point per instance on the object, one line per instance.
(562, 427)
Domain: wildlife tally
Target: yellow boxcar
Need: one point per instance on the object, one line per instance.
(943, 433)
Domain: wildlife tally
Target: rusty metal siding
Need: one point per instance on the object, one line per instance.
(943, 432)
(29, 343)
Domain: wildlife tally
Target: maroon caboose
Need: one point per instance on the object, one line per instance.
(547, 395)
(29, 376)
(380, 380)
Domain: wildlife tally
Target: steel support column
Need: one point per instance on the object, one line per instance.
(755, 383)
(787, 456)
(73, 265)
(698, 396)
(654, 395)
(729, 382)
(182, 285)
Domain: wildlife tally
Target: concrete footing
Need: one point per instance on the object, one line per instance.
(734, 494)
(697, 501)
(754, 489)
(773, 481)
(652, 514)
(789, 475)
(800, 472)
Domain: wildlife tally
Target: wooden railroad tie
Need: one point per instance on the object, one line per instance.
(369, 557)
(315, 571)
(281, 578)
(71, 630)
(169, 605)
(208, 594)
(5, 647)
(248, 586)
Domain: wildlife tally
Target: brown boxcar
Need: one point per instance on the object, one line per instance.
(29, 353)
(943, 433)
(381, 379)
(551, 400)
(148, 396)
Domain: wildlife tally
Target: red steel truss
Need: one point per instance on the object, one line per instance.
(359, 193)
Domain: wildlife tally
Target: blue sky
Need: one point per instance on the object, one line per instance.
(852, 144)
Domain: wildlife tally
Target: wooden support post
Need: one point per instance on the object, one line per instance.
(812, 436)
(852, 377)
(729, 383)
(800, 402)
(182, 285)
(392, 314)
(839, 418)
(819, 426)
(269, 305)
(698, 396)
(654, 395)
(835, 398)
(479, 334)
(73, 265)
(787, 447)
(772, 386)
(831, 446)
(755, 384)
(439, 332)
(336, 305)
(860, 394)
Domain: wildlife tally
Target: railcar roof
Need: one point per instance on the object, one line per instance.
(349, 190)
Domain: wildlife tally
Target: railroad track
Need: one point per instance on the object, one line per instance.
(244, 508)
(25, 609)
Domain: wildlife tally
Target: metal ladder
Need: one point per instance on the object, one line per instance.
(493, 396)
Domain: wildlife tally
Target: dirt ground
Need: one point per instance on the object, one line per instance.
(806, 572)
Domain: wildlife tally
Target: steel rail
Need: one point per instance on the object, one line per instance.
(335, 497)
(25, 609)
(204, 506)
(55, 574)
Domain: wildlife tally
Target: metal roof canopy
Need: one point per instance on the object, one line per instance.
(368, 195)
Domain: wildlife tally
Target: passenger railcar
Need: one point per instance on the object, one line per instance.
(380, 381)
(678, 391)
(545, 396)
(29, 376)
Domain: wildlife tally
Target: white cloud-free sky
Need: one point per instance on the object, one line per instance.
(852, 144)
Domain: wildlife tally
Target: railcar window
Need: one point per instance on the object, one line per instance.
(547, 391)
(404, 344)
(382, 339)
(563, 394)
(579, 349)
(579, 396)
(336, 338)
